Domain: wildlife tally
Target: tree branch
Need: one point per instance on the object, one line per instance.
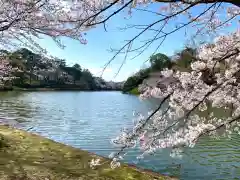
(111, 15)
(218, 127)
(234, 2)
(148, 27)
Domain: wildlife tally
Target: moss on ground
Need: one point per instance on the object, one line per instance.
(25, 156)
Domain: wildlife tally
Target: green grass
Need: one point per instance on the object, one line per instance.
(25, 156)
(134, 91)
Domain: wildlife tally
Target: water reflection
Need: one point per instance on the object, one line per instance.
(14, 108)
(88, 120)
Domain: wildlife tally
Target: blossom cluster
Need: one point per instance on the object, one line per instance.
(22, 21)
(214, 82)
(5, 71)
(94, 163)
(5, 68)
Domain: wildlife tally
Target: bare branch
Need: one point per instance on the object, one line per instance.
(151, 25)
(234, 2)
(218, 127)
(111, 15)
(125, 58)
(152, 12)
(186, 24)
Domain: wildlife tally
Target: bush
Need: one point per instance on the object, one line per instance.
(134, 91)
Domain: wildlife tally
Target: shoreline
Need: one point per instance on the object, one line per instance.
(44, 158)
(56, 89)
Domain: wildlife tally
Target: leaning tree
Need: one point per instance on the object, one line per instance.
(214, 78)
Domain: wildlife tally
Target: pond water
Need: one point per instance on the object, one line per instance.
(88, 120)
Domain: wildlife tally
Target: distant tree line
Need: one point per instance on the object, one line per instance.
(180, 61)
(37, 71)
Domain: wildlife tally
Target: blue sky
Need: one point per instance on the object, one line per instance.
(95, 53)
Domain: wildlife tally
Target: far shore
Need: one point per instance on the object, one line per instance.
(56, 89)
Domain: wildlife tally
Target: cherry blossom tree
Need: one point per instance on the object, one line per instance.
(213, 80)
(5, 71)
(178, 125)
(23, 21)
(176, 15)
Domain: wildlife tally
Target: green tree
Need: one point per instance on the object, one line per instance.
(60, 62)
(31, 60)
(77, 66)
(133, 81)
(160, 61)
(16, 60)
(76, 72)
(87, 80)
(4, 52)
(184, 58)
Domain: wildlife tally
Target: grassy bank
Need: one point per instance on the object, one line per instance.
(134, 91)
(25, 156)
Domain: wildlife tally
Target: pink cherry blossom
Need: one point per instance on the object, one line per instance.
(179, 126)
(5, 71)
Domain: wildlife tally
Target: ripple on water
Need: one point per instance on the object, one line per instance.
(88, 120)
